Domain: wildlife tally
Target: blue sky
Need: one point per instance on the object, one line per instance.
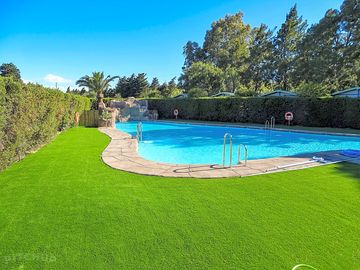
(63, 40)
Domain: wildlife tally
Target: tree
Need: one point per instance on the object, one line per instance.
(132, 86)
(259, 72)
(350, 52)
(205, 76)
(165, 90)
(10, 70)
(140, 84)
(123, 88)
(97, 83)
(226, 43)
(193, 53)
(155, 84)
(319, 60)
(172, 83)
(286, 44)
(311, 89)
(197, 92)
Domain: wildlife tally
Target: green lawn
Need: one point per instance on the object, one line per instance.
(62, 208)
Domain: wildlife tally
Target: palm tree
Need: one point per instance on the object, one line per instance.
(96, 83)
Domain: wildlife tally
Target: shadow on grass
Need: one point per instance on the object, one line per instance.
(349, 169)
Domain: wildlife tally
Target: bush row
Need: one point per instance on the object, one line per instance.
(315, 112)
(31, 115)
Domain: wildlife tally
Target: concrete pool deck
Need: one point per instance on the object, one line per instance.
(122, 154)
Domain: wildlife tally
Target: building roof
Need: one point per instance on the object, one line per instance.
(224, 94)
(279, 92)
(346, 91)
(182, 95)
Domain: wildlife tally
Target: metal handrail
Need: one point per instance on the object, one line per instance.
(139, 132)
(272, 122)
(224, 149)
(239, 154)
(267, 124)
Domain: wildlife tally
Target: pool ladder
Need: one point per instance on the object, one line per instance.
(270, 124)
(224, 148)
(139, 132)
(228, 135)
(245, 154)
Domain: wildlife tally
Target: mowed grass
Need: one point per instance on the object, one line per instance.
(62, 208)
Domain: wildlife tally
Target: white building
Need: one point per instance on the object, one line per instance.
(351, 93)
(181, 96)
(280, 93)
(224, 94)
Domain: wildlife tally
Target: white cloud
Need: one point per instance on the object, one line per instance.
(56, 79)
(27, 81)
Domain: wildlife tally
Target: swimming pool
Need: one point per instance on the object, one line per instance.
(181, 143)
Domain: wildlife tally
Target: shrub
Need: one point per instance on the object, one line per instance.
(31, 115)
(197, 92)
(319, 112)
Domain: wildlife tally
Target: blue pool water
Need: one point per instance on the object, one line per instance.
(203, 144)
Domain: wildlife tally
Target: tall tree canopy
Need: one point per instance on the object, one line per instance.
(226, 42)
(10, 70)
(286, 44)
(318, 60)
(314, 61)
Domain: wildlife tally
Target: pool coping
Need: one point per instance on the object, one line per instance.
(122, 154)
(243, 125)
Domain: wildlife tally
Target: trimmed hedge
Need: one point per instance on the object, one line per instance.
(316, 112)
(31, 115)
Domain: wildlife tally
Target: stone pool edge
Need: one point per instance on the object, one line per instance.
(121, 154)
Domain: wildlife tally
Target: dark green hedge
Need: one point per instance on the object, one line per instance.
(31, 115)
(317, 112)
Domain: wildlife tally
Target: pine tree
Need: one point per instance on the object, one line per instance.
(155, 84)
(259, 72)
(123, 87)
(193, 53)
(164, 90)
(350, 30)
(140, 84)
(318, 61)
(286, 44)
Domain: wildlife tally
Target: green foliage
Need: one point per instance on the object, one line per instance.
(197, 92)
(318, 60)
(226, 42)
(324, 112)
(259, 72)
(155, 84)
(97, 82)
(286, 44)
(10, 70)
(132, 86)
(311, 89)
(151, 93)
(31, 115)
(193, 53)
(205, 76)
(257, 60)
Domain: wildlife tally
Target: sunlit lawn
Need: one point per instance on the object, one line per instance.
(62, 208)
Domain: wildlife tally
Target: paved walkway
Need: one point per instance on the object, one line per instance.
(122, 154)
